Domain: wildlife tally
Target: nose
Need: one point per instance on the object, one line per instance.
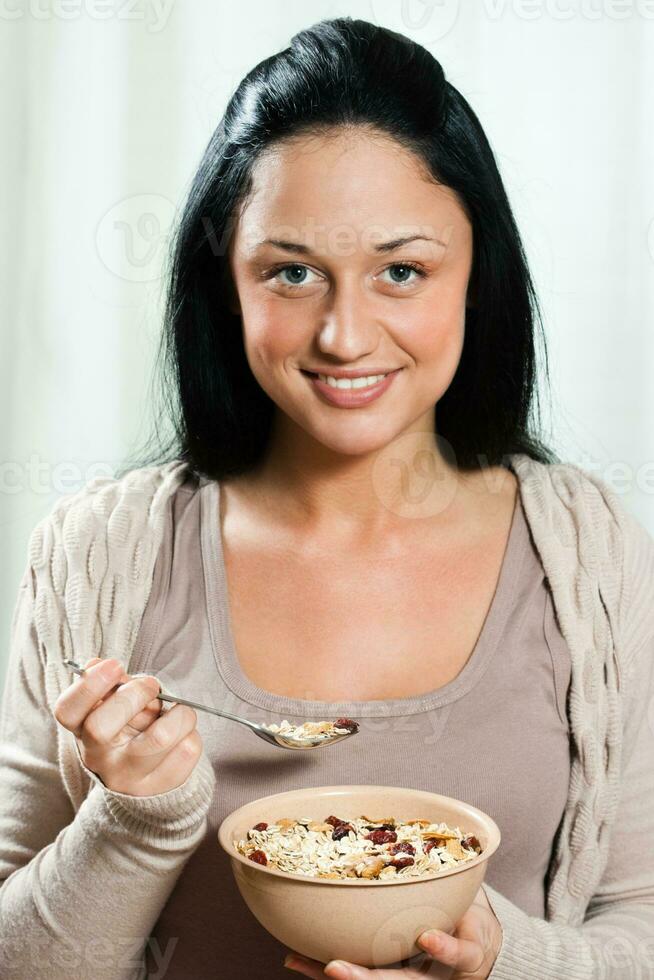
(348, 330)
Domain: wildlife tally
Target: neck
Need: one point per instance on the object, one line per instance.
(325, 491)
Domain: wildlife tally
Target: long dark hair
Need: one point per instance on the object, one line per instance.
(344, 72)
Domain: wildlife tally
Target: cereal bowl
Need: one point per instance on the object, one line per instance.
(370, 921)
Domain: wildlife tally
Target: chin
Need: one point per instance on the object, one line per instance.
(353, 443)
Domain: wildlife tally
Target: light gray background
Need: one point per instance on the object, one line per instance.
(107, 108)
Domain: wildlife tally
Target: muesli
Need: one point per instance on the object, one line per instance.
(314, 731)
(362, 847)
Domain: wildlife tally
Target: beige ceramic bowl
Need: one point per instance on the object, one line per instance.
(372, 923)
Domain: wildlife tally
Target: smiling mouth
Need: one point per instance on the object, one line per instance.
(349, 384)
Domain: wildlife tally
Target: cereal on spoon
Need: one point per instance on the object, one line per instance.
(312, 731)
(362, 847)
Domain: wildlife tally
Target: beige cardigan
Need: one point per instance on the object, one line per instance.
(85, 871)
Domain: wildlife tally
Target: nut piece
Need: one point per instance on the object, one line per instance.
(316, 727)
(455, 849)
(444, 834)
(320, 827)
(357, 858)
(373, 869)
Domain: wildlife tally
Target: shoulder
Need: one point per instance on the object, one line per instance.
(581, 510)
(570, 486)
(106, 515)
(92, 558)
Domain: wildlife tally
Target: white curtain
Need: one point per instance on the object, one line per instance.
(107, 107)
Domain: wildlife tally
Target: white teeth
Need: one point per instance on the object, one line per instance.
(351, 382)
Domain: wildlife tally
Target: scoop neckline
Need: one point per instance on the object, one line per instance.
(229, 667)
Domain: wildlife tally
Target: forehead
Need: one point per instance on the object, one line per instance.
(354, 180)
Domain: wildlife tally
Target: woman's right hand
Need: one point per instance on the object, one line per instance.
(122, 735)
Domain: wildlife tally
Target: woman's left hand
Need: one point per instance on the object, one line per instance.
(469, 953)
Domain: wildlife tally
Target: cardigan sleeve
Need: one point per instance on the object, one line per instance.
(79, 892)
(616, 939)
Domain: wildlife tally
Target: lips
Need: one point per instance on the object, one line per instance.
(350, 397)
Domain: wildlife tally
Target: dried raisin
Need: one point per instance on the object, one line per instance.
(348, 723)
(258, 856)
(342, 830)
(401, 862)
(382, 836)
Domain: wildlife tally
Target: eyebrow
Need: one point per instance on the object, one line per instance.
(384, 247)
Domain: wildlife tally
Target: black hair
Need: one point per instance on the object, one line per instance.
(345, 72)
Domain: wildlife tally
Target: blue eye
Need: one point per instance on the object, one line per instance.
(411, 267)
(295, 269)
(297, 274)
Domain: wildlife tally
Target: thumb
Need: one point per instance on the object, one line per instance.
(463, 955)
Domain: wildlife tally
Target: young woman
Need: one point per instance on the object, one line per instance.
(402, 549)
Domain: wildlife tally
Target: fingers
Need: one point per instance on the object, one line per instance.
(105, 726)
(124, 735)
(305, 966)
(464, 955)
(337, 969)
(89, 663)
(170, 747)
(150, 712)
(99, 660)
(74, 704)
(177, 765)
(144, 718)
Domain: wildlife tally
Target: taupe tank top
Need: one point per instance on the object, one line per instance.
(495, 736)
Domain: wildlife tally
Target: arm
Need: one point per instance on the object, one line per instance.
(79, 893)
(616, 939)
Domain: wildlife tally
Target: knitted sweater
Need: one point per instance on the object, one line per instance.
(83, 882)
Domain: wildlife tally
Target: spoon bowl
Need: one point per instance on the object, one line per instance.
(288, 742)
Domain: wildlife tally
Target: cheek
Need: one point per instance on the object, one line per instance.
(436, 343)
(269, 338)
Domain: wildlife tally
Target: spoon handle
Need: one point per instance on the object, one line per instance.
(170, 697)
(202, 707)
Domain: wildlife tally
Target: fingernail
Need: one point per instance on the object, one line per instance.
(430, 938)
(345, 971)
(294, 960)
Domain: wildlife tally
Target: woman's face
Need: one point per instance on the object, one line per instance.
(336, 293)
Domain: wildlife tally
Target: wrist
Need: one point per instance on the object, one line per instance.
(171, 814)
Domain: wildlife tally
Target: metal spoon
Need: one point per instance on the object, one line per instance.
(277, 739)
